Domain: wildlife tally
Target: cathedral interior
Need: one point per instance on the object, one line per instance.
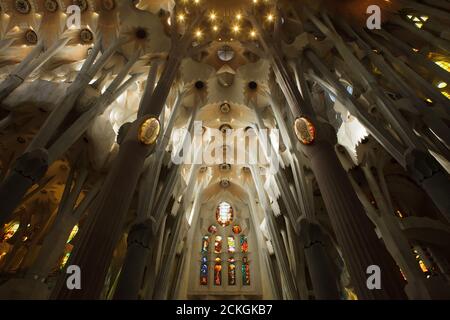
(224, 149)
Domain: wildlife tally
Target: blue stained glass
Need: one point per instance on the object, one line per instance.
(204, 271)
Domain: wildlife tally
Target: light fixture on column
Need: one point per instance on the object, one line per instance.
(305, 130)
(149, 131)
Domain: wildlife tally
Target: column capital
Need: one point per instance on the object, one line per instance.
(310, 233)
(32, 165)
(421, 165)
(140, 234)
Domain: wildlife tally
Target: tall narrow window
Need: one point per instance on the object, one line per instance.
(224, 214)
(231, 244)
(205, 244)
(245, 272)
(244, 244)
(204, 271)
(218, 244)
(73, 233)
(231, 272)
(218, 272)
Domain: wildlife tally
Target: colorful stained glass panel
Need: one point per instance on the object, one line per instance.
(204, 271)
(218, 272)
(231, 244)
(224, 214)
(218, 244)
(244, 244)
(205, 244)
(237, 229)
(245, 272)
(231, 271)
(212, 229)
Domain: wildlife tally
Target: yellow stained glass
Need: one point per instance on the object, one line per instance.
(10, 229)
(423, 267)
(73, 233)
(64, 260)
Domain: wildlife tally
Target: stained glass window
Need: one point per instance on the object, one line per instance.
(244, 244)
(419, 21)
(224, 239)
(205, 244)
(212, 229)
(231, 244)
(237, 229)
(204, 271)
(73, 233)
(64, 260)
(224, 214)
(231, 271)
(10, 229)
(218, 244)
(218, 272)
(245, 272)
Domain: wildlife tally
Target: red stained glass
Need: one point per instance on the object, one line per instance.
(237, 229)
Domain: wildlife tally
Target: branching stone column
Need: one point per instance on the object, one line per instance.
(356, 236)
(28, 170)
(94, 252)
(137, 141)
